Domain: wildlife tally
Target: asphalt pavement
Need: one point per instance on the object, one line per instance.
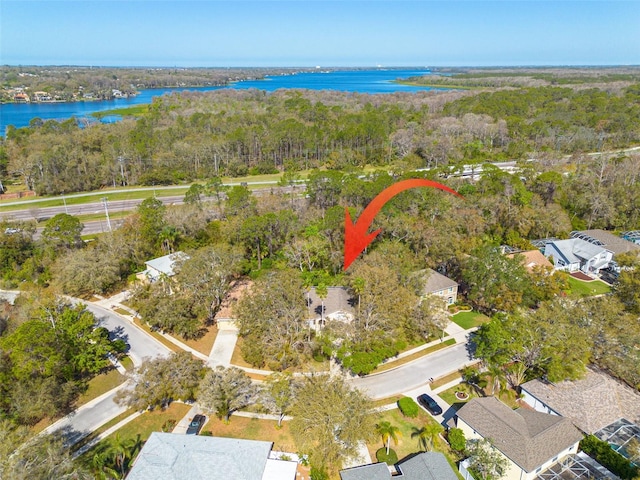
(413, 375)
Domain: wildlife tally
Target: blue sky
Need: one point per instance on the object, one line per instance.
(325, 33)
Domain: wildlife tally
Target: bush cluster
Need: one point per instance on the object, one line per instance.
(408, 407)
(602, 452)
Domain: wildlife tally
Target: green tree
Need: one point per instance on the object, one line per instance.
(485, 460)
(330, 420)
(63, 232)
(225, 390)
(40, 457)
(240, 202)
(206, 278)
(279, 394)
(388, 432)
(192, 195)
(151, 218)
(272, 319)
(456, 439)
(159, 381)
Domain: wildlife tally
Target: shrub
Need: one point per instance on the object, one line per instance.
(408, 407)
(456, 439)
(605, 455)
(391, 459)
(169, 425)
(318, 474)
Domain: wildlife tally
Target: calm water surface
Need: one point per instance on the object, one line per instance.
(361, 81)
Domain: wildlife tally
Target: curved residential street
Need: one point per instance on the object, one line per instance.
(409, 376)
(99, 411)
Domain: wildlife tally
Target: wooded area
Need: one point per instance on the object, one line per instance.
(288, 242)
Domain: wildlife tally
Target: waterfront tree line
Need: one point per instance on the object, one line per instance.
(194, 136)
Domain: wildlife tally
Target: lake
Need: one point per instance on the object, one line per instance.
(361, 81)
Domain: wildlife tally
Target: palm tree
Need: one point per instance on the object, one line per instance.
(427, 436)
(388, 432)
(498, 379)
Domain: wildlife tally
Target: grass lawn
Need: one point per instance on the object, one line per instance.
(438, 382)
(103, 428)
(585, 289)
(204, 344)
(409, 358)
(152, 421)
(143, 425)
(157, 336)
(507, 397)
(469, 320)
(96, 198)
(407, 445)
(253, 429)
(100, 384)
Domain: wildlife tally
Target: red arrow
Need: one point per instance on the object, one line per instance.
(356, 237)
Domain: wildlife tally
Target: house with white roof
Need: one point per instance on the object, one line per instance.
(576, 254)
(169, 456)
(161, 267)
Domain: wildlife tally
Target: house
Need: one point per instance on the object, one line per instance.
(437, 284)
(338, 305)
(41, 97)
(423, 466)
(592, 403)
(169, 456)
(530, 440)
(632, 236)
(577, 254)
(21, 97)
(161, 267)
(607, 240)
(532, 259)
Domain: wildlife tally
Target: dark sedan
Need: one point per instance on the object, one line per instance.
(430, 404)
(196, 424)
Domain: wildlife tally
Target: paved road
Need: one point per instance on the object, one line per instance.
(410, 376)
(32, 211)
(94, 414)
(141, 345)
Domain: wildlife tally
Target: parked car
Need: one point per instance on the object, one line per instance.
(196, 424)
(430, 404)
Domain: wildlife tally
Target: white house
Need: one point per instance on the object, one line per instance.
(577, 254)
(161, 267)
(169, 456)
(531, 441)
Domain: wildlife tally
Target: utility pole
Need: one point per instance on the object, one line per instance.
(106, 211)
(64, 200)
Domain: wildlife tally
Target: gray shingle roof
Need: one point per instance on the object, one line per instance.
(427, 466)
(422, 466)
(169, 456)
(434, 281)
(375, 471)
(610, 241)
(527, 437)
(338, 300)
(591, 403)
